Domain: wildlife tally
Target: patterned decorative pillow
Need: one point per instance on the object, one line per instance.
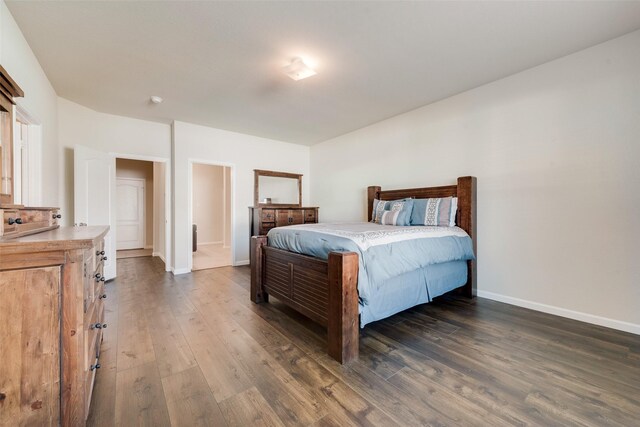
(441, 211)
(392, 212)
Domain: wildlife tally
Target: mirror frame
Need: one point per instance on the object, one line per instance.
(9, 89)
(256, 188)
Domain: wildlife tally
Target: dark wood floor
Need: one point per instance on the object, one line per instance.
(193, 350)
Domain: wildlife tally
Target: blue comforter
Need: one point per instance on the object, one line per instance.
(384, 251)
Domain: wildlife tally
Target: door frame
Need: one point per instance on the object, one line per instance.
(144, 207)
(188, 228)
(168, 241)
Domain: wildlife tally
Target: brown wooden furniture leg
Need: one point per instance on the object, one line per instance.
(467, 221)
(258, 294)
(342, 319)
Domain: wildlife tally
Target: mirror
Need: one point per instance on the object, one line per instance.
(277, 189)
(6, 158)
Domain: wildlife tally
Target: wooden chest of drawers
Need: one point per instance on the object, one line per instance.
(51, 322)
(263, 219)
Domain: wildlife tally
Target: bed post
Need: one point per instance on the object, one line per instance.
(342, 319)
(467, 221)
(373, 192)
(258, 294)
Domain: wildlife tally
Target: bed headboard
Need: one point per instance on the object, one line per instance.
(464, 190)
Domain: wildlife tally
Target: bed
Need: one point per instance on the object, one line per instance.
(345, 276)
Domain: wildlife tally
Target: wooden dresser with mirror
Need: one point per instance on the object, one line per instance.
(277, 202)
(52, 300)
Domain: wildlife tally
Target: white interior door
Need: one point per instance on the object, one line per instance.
(94, 189)
(130, 218)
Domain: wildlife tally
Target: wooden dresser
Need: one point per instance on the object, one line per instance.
(51, 319)
(264, 218)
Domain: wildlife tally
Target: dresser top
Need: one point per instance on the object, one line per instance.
(62, 238)
(283, 207)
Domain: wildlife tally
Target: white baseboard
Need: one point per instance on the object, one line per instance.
(159, 255)
(209, 243)
(178, 271)
(563, 312)
(243, 262)
(149, 247)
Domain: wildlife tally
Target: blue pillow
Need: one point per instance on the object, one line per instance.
(436, 211)
(392, 212)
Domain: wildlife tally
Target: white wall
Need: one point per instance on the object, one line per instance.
(127, 168)
(245, 153)
(40, 99)
(208, 202)
(79, 125)
(556, 150)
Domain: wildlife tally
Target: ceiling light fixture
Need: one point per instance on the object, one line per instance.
(298, 70)
(156, 99)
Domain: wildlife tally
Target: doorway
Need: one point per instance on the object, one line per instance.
(211, 216)
(95, 200)
(135, 205)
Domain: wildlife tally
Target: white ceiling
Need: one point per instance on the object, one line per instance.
(219, 63)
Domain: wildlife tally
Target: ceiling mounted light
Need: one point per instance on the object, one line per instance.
(298, 70)
(156, 99)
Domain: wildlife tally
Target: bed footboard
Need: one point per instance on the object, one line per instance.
(325, 291)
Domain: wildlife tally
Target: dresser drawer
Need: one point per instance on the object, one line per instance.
(296, 216)
(25, 221)
(268, 215)
(93, 332)
(98, 282)
(310, 215)
(94, 258)
(282, 217)
(90, 375)
(266, 226)
(99, 293)
(288, 217)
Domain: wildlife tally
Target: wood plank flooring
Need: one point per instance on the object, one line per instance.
(192, 350)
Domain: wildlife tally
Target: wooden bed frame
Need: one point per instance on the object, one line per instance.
(326, 291)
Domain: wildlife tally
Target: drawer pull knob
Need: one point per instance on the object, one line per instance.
(94, 367)
(103, 296)
(98, 326)
(102, 279)
(100, 252)
(104, 258)
(12, 221)
(57, 216)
